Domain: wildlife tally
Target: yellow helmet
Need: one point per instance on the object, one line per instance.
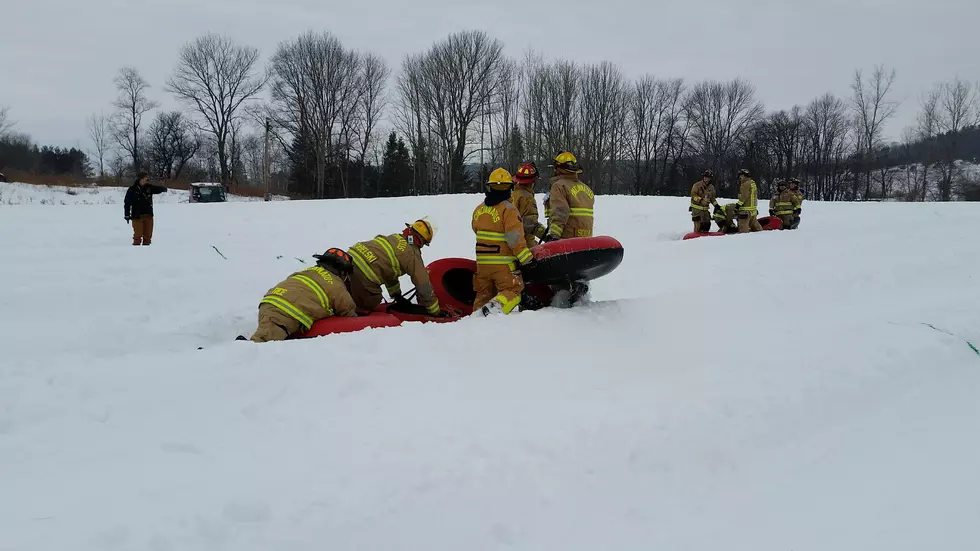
(424, 229)
(564, 160)
(500, 179)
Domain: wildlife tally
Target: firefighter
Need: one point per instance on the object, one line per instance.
(794, 186)
(724, 216)
(382, 260)
(527, 207)
(305, 297)
(501, 248)
(748, 203)
(702, 196)
(781, 204)
(569, 203)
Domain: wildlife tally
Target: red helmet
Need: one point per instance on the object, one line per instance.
(526, 173)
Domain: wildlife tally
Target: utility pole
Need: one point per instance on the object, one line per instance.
(266, 161)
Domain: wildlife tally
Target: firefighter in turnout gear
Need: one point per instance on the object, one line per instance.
(702, 197)
(794, 186)
(305, 297)
(725, 217)
(501, 248)
(527, 207)
(382, 260)
(569, 203)
(781, 204)
(748, 203)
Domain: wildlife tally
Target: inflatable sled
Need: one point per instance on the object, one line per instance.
(558, 262)
(767, 223)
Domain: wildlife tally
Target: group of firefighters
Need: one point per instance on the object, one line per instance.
(785, 204)
(505, 224)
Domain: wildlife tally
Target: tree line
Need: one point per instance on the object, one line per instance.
(342, 123)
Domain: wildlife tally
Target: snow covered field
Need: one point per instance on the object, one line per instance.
(12, 193)
(777, 391)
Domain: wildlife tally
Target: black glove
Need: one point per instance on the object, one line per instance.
(443, 314)
(401, 301)
(797, 211)
(128, 219)
(549, 237)
(772, 212)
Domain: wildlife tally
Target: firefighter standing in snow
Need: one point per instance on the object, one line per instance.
(569, 203)
(501, 248)
(138, 208)
(305, 297)
(781, 204)
(382, 260)
(527, 207)
(794, 186)
(748, 203)
(702, 197)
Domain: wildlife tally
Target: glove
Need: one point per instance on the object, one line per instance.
(443, 314)
(128, 219)
(530, 263)
(772, 212)
(548, 237)
(401, 300)
(797, 211)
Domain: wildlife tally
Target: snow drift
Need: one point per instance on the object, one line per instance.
(807, 390)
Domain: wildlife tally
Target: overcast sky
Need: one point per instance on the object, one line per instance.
(58, 57)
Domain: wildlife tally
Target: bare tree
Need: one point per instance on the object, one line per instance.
(215, 76)
(958, 109)
(317, 90)
(374, 74)
(827, 147)
(131, 104)
(100, 131)
(5, 123)
(452, 85)
(170, 144)
(720, 116)
(872, 109)
(602, 105)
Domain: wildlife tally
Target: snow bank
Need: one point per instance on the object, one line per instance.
(765, 392)
(30, 194)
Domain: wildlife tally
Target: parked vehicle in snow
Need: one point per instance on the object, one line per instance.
(207, 192)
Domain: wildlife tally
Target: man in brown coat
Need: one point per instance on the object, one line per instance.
(382, 260)
(781, 204)
(305, 297)
(748, 203)
(570, 202)
(702, 197)
(501, 248)
(527, 207)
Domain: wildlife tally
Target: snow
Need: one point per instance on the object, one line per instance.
(14, 193)
(776, 391)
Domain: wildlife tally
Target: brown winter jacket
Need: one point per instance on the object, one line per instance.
(311, 294)
(527, 208)
(499, 236)
(569, 207)
(702, 196)
(384, 259)
(781, 203)
(725, 216)
(748, 198)
(797, 199)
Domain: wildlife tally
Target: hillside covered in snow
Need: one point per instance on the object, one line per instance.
(805, 390)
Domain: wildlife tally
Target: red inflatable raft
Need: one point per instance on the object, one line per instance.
(557, 262)
(767, 223)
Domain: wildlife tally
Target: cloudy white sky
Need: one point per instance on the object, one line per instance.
(58, 57)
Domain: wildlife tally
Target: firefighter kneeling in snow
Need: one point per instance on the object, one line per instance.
(725, 217)
(382, 260)
(500, 248)
(305, 297)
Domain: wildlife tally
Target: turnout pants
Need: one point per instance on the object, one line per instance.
(702, 221)
(274, 325)
(497, 282)
(787, 220)
(748, 222)
(142, 230)
(366, 294)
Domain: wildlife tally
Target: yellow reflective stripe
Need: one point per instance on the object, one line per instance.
(394, 288)
(289, 310)
(582, 211)
(556, 229)
(524, 256)
(508, 305)
(783, 212)
(696, 198)
(317, 290)
(748, 209)
(494, 259)
(391, 255)
(698, 207)
(433, 308)
(491, 236)
(364, 267)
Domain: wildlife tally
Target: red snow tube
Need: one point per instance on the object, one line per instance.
(574, 259)
(767, 223)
